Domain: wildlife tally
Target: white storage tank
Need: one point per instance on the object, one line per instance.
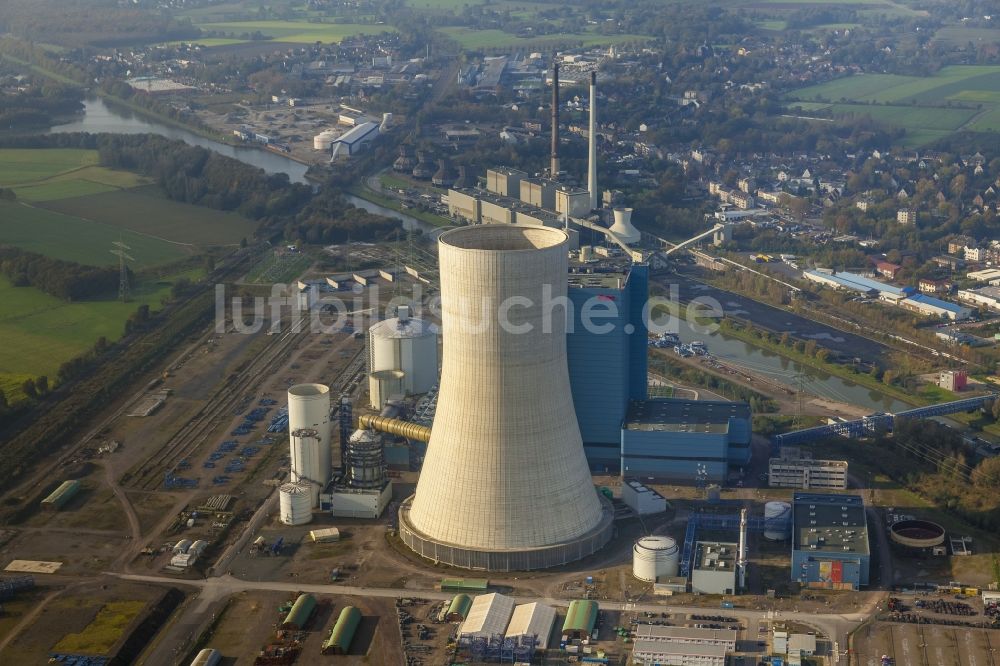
(408, 345)
(324, 140)
(295, 503)
(307, 461)
(777, 521)
(309, 409)
(383, 385)
(655, 557)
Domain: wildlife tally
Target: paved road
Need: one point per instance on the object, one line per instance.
(213, 591)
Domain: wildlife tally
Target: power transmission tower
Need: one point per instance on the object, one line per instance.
(120, 250)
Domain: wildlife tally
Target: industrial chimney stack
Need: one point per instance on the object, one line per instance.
(592, 163)
(554, 166)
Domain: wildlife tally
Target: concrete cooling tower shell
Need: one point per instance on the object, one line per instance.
(505, 484)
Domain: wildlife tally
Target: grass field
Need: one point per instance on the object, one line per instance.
(471, 39)
(41, 332)
(55, 173)
(145, 211)
(104, 632)
(73, 238)
(960, 36)
(915, 103)
(300, 32)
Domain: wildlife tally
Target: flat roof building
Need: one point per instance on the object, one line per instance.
(830, 541)
(671, 438)
(807, 474)
(687, 635)
(678, 654)
(642, 499)
(714, 569)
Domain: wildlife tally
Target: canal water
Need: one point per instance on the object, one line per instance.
(100, 116)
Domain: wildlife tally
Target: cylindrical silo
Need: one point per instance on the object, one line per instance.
(655, 557)
(365, 462)
(384, 384)
(295, 503)
(309, 409)
(406, 344)
(777, 521)
(505, 484)
(307, 460)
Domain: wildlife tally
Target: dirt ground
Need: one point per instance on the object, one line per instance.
(70, 612)
(252, 620)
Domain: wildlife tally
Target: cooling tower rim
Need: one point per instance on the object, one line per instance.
(309, 390)
(539, 238)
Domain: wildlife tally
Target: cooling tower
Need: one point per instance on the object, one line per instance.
(622, 226)
(505, 484)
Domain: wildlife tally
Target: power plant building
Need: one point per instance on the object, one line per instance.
(505, 483)
(830, 541)
(714, 570)
(671, 438)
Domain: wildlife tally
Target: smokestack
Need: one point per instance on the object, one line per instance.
(554, 166)
(592, 164)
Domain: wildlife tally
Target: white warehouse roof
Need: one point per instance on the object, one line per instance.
(356, 134)
(533, 620)
(490, 614)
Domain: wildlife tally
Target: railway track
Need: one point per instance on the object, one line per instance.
(218, 411)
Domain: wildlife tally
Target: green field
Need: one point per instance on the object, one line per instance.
(960, 36)
(299, 32)
(57, 173)
(471, 39)
(41, 332)
(916, 103)
(72, 238)
(145, 212)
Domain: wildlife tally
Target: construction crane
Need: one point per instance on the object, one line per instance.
(121, 250)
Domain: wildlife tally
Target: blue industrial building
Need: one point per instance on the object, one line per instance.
(622, 431)
(830, 541)
(672, 438)
(607, 364)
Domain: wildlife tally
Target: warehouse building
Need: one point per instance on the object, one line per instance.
(857, 283)
(714, 569)
(581, 619)
(354, 140)
(687, 635)
(532, 619)
(678, 654)
(804, 473)
(935, 307)
(829, 541)
(672, 438)
(988, 297)
(642, 499)
(488, 616)
(58, 498)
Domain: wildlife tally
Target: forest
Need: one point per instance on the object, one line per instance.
(30, 105)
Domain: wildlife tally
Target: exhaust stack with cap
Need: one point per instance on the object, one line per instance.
(592, 164)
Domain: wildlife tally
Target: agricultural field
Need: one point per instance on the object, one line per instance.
(959, 97)
(298, 32)
(41, 332)
(145, 211)
(471, 39)
(955, 35)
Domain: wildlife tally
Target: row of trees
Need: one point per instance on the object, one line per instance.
(63, 279)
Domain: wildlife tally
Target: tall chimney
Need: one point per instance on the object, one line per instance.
(592, 164)
(554, 166)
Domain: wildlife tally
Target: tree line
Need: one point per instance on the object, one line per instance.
(66, 280)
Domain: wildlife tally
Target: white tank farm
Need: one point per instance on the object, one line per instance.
(655, 557)
(777, 521)
(408, 345)
(309, 409)
(307, 461)
(295, 503)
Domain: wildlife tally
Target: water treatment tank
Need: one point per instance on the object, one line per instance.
(777, 521)
(295, 503)
(309, 409)
(655, 557)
